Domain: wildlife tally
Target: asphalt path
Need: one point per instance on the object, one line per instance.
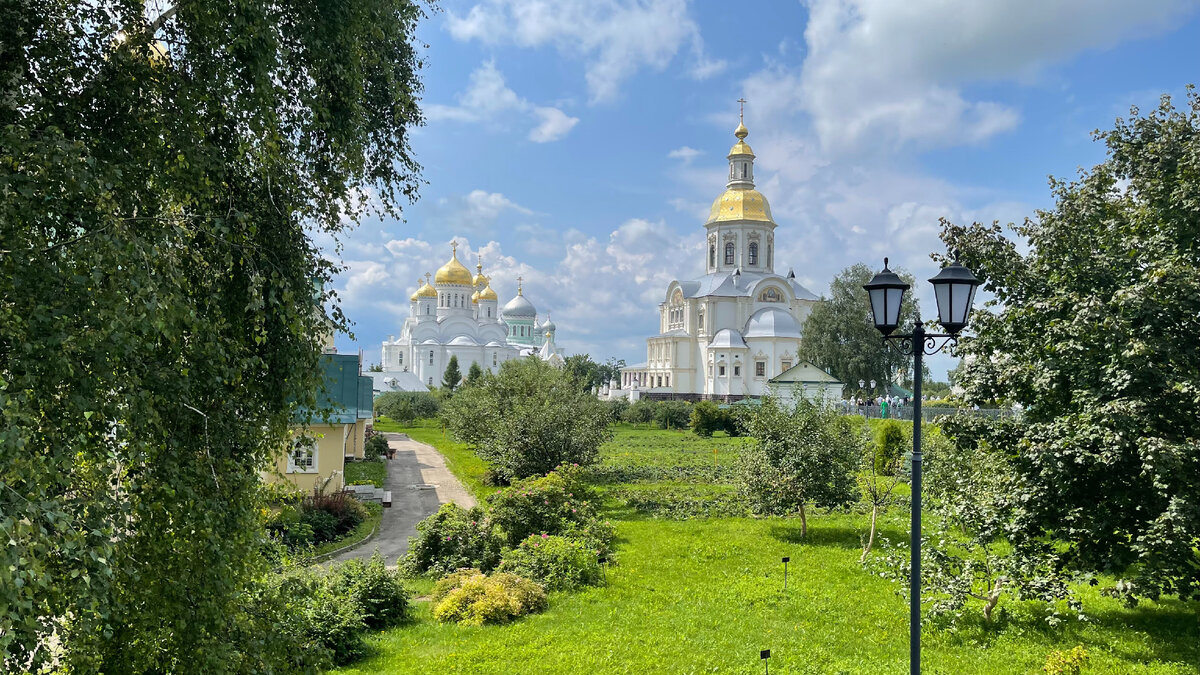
(420, 484)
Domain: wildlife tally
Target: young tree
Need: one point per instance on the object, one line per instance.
(806, 453)
(453, 376)
(474, 373)
(840, 335)
(162, 306)
(877, 481)
(528, 419)
(1093, 331)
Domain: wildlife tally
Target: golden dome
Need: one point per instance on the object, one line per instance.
(453, 272)
(487, 293)
(741, 131)
(740, 205)
(741, 148)
(425, 290)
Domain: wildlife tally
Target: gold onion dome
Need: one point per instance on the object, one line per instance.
(741, 148)
(487, 293)
(737, 204)
(479, 279)
(453, 272)
(424, 290)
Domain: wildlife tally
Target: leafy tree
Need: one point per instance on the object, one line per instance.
(806, 453)
(406, 406)
(528, 419)
(707, 418)
(453, 376)
(161, 178)
(590, 374)
(474, 373)
(375, 368)
(1093, 331)
(877, 479)
(672, 414)
(840, 335)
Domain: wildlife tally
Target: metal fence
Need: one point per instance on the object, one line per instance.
(905, 412)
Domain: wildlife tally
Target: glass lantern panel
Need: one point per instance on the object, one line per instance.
(945, 312)
(894, 297)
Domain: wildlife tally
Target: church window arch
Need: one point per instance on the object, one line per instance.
(753, 253)
(729, 253)
(401, 355)
(712, 255)
(431, 357)
(700, 319)
(743, 169)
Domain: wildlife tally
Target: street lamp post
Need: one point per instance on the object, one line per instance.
(954, 289)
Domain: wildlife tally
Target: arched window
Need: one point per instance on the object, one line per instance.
(431, 357)
(729, 253)
(743, 169)
(712, 255)
(753, 253)
(700, 319)
(401, 358)
(768, 255)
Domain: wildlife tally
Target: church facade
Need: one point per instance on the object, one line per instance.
(459, 315)
(727, 333)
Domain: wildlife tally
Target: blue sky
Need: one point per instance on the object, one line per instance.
(579, 143)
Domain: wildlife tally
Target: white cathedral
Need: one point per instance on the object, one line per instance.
(458, 315)
(726, 334)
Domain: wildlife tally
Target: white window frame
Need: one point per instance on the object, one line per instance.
(760, 369)
(306, 444)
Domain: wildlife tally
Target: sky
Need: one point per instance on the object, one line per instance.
(578, 144)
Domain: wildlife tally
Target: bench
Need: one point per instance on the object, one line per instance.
(387, 498)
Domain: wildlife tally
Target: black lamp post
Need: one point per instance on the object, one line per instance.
(954, 289)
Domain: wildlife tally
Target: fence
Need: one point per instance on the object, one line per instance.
(905, 412)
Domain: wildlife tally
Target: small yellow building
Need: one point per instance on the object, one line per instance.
(321, 443)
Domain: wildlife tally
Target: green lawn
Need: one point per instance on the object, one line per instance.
(369, 472)
(705, 595)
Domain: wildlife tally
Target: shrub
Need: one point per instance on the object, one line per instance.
(477, 599)
(378, 592)
(552, 504)
(528, 419)
(322, 524)
(890, 444)
(707, 418)
(672, 414)
(558, 563)
(640, 411)
(1066, 662)
(331, 515)
(450, 582)
(451, 539)
(317, 618)
(616, 409)
(375, 446)
(286, 526)
(405, 406)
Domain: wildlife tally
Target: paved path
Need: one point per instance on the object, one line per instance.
(420, 483)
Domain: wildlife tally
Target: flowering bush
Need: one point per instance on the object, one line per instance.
(473, 599)
(557, 503)
(558, 563)
(451, 539)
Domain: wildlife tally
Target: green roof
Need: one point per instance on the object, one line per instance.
(804, 373)
(342, 395)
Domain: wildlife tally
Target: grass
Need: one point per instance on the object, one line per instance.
(362, 531)
(366, 472)
(705, 595)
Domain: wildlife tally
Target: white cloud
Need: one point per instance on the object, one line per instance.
(615, 38)
(474, 212)
(555, 124)
(487, 97)
(685, 153)
(880, 72)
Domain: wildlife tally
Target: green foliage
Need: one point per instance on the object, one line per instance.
(379, 593)
(890, 444)
(672, 414)
(1061, 662)
(557, 563)
(161, 302)
(708, 418)
(477, 599)
(374, 447)
(528, 419)
(590, 374)
(317, 519)
(640, 411)
(1093, 332)
(840, 335)
(405, 406)
(451, 539)
(805, 453)
(616, 409)
(474, 373)
(558, 503)
(452, 377)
